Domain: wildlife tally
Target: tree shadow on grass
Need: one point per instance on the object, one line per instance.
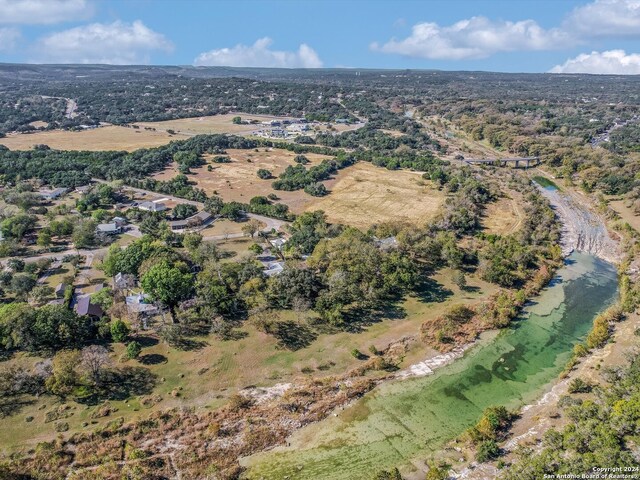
(188, 344)
(357, 320)
(292, 335)
(152, 359)
(430, 291)
(120, 384)
(12, 405)
(146, 341)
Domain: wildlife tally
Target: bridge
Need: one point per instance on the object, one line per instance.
(502, 162)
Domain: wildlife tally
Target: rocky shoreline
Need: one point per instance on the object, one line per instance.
(582, 229)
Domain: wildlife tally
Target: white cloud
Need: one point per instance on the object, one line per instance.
(473, 38)
(32, 12)
(609, 62)
(114, 43)
(259, 55)
(8, 39)
(480, 37)
(605, 18)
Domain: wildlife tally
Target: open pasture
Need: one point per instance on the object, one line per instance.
(238, 180)
(212, 124)
(111, 137)
(364, 195)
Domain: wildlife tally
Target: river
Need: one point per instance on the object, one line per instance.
(404, 421)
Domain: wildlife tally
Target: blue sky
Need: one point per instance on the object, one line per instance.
(597, 36)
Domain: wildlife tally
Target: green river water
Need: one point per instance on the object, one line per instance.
(405, 420)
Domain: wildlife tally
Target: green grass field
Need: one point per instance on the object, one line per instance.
(212, 370)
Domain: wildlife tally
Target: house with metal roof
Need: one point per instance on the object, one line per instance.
(152, 206)
(84, 306)
(109, 228)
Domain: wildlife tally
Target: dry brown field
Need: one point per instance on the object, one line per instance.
(238, 180)
(224, 124)
(363, 195)
(211, 124)
(503, 217)
(110, 137)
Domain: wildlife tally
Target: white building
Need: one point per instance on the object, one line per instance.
(52, 194)
(152, 206)
(273, 268)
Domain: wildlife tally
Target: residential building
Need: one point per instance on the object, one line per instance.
(141, 303)
(152, 206)
(84, 306)
(123, 281)
(387, 243)
(49, 195)
(199, 219)
(278, 243)
(273, 268)
(108, 228)
(119, 221)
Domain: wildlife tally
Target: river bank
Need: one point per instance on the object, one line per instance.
(583, 229)
(405, 422)
(373, 430)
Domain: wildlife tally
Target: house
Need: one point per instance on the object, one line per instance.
(298, 127)
(84, 306)
(108, 228)
(385, 244)
(119, 221)
(278, 243)
(60, 289)
(342, 120)
(177, 225)
(200, 218)
(49, 195)
(278, 132)
(122, 281)
(273, 268)
(152, 206)
(141, 303)
(83, 189)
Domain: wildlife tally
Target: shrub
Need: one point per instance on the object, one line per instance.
(264, 174)
(239, 402)
(487, 450)
(119, 330)
(133, 350)
(578, 385)
(358, 354)
(255, 248)
(316, 190)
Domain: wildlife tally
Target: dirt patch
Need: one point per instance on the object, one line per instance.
(626, 212)
(504, 216)
(111, 137)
